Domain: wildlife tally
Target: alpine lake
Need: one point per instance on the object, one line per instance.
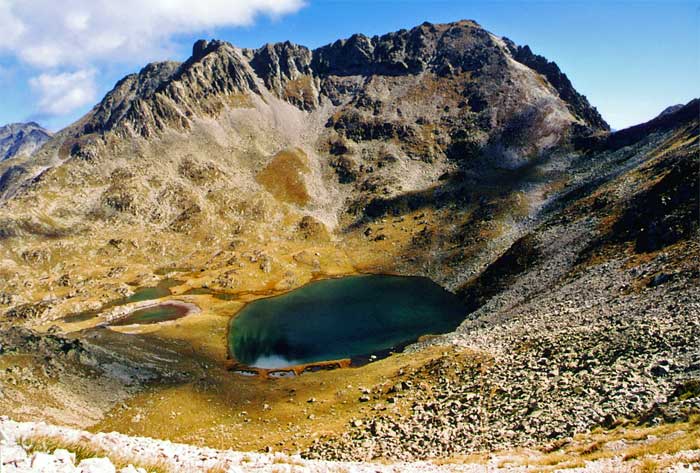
(353, 319)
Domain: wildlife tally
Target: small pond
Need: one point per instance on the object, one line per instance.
(148, 293)
(352, 317)
(140, 294)
(154, 314)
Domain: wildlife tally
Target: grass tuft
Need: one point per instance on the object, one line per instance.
(648, 466)
(644, 447)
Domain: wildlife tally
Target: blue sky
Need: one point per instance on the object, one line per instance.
(631, 59)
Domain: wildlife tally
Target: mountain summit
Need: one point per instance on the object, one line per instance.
(21, 139)
(483, 82)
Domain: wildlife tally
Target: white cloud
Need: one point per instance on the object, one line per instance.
(77, 21)
(62, 93)
(50, 33)
(12, 27)
(55, 36)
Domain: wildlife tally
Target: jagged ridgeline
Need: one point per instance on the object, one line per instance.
(367, 114)
(478, 65)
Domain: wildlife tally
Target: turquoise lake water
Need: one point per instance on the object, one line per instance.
(140, 294)
(154, 314)
(352, 317)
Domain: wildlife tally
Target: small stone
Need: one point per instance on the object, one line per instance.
(660, 370)
(96, 465)
(659, 279)
(64, 456)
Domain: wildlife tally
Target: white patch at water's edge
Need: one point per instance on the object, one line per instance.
(273, 362)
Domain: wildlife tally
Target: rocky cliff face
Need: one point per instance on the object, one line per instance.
(479, 67)
(21, 139)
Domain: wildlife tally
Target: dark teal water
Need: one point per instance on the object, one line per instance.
(139, 295)
(144, 294)
(155, 314)
(341, 318)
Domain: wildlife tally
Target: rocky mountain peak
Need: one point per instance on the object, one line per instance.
(21, 139)
(286, 64)
(671, 109)
(203, 47)
(428, 46)
(167, 94)
(170, 94)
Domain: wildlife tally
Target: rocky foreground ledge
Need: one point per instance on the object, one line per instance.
(42, 448)
(78, 451)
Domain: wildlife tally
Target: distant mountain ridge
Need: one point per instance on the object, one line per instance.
(671, 109)
(22, 139)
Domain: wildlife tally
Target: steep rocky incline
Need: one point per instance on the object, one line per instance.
(18, 144)
(21, 139)
(577, 103)
(590, 319)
